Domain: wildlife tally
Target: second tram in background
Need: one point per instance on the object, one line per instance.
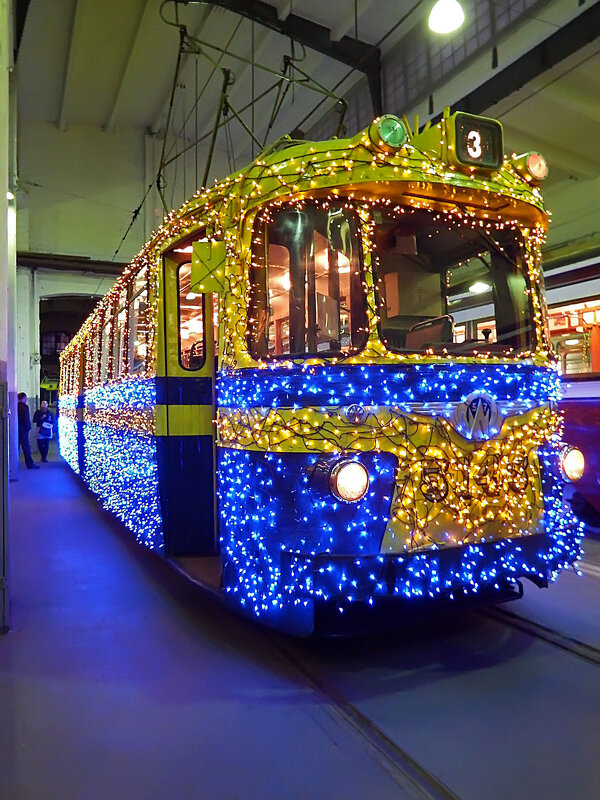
(573, 293)
(324, 389)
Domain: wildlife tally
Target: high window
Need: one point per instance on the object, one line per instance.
(138, 306)
(306, 290)
(54, 343)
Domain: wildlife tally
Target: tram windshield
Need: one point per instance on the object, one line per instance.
(445, 283)
(306, 288)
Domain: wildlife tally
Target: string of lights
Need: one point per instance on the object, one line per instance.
(448, 510)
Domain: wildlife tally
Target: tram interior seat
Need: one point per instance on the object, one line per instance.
(397, 327)
(411, 332)
(430, 333)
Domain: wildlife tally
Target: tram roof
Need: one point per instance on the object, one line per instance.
(420, 173)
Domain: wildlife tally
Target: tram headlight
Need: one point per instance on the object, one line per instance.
(572, 463)
(537, 166)
(349, 481)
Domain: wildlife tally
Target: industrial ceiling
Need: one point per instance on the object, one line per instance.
(158, 66)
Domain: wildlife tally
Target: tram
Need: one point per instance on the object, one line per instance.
(289, 393)
(579, 406)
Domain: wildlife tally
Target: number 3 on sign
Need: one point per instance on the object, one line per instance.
(474, 144)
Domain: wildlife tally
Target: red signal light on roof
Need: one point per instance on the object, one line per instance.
(537, 166)
(532, 166)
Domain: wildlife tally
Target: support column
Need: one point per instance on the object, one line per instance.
(7, 279)
(13, 434)
(33, 382)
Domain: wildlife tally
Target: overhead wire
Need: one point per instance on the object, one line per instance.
(215, 66)
(361, 61)
(186, 38)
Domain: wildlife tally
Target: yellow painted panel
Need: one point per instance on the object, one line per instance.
(160, 420)
(184, 420)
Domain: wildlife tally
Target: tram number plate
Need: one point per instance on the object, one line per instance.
(469, 479)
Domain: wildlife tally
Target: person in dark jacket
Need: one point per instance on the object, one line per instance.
(44, 420)
(24, 428)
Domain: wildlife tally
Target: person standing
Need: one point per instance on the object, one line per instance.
(24, 428)
(44, 420)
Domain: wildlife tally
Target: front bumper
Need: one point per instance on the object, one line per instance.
(350, 592)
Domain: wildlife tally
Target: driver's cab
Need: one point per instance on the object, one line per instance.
(450, 282)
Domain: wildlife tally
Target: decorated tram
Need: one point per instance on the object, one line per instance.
(324, 389)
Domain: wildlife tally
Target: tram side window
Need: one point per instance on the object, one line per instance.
(575, 335)
(138, 325)
(119, 343)
(191, 321)
(96, 360)
(306, 292)
(105, 350)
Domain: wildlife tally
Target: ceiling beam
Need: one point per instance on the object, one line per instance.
(70, 71)
(346, 23)
(69, 263)
(284, 8)
(146, 10)
(356, 54)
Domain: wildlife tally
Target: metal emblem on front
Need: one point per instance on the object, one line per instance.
(356, 414)
(478, 417)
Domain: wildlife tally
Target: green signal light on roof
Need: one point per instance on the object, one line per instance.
(392, 131)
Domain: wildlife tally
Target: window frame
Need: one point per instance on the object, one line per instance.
(107, 320)
(119, 367)
(130, 332)
(203, 306)
(531, 287)
(258, 228)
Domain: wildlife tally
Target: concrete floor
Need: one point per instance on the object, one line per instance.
(119, 680)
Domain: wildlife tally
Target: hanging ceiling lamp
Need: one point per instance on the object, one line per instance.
(446, 16)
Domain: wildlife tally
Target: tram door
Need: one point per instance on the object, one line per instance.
(186, 410)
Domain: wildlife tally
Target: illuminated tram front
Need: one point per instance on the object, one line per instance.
(386, 424)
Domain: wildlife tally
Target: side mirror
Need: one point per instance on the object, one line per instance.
(208, 268)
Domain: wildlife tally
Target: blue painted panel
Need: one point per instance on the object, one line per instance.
(186, 481)
(121, 469)
(188, 391)
(120, 455)
(384, 385)
(268, 503)
(286, 546)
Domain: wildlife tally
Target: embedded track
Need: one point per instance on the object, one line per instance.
(415, 782)
(386, 728)
(571, 645)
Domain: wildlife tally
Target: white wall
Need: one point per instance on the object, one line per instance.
(80, 187)
(575, 211)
